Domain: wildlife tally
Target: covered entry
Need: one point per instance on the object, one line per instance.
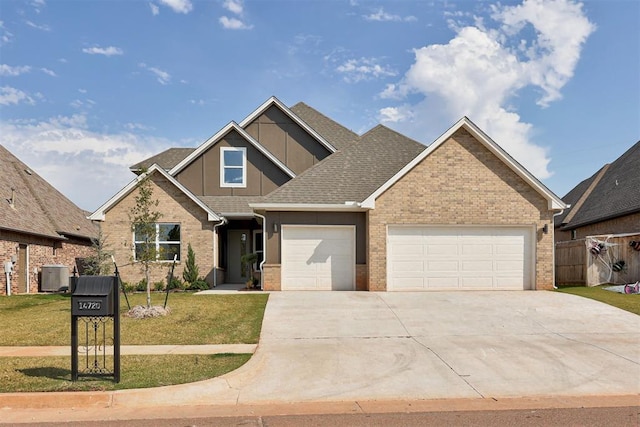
(423, 257)
(318, 257)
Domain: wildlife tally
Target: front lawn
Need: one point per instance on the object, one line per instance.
(34, 320)
(628, 302)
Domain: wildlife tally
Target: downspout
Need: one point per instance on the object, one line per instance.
(553, 252)
(216, 247)
(264, 247)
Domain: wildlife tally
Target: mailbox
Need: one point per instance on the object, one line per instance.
(93, 296)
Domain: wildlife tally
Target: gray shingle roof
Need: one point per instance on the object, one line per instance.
(38, 207)
(336, 134)
(353, 173)
(225, 205)
(166, 160)
(616, 194)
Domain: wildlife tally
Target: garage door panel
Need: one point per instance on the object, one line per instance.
(318, 257)
(461, 257)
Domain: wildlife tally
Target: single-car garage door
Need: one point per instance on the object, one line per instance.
(318, 257)
(463, 257)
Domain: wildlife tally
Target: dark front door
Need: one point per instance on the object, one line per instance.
(238, 244)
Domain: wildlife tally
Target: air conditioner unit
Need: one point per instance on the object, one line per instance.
(54, 278)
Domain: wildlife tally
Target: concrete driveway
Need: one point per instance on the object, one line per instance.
(359, 345)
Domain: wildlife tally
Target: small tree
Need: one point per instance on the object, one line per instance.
(143, 218)
(99, 262)
(191, 270)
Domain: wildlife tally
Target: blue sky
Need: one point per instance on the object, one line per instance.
(89, 88)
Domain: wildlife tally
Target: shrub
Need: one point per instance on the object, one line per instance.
(158, 286)
(198, 285)
(141, 286)
(191, 270)
(128, 287)
(175, 283)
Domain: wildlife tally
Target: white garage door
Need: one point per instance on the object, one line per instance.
(442, 258)
(318, 258)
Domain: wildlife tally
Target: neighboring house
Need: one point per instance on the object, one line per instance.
(38, 226)
(606, 203)
(327, 209)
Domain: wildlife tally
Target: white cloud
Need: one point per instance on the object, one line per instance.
(233, 24)
(106, 51)
(49, 72)
(233, 6)
(162, 76)
(5, 35)
(87, 166)
(41, 27)
(356, 70)
(178, 6)
(155, 10)
(9, 71)
(381, 16)
(10, 95)
(479, 72)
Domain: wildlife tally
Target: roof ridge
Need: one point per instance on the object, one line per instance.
(586, 194)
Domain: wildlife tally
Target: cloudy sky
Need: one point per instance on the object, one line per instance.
(89, 88)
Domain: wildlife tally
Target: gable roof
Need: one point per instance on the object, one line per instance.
(611, 192)
(347, 177)
(555, 203)
(232, 126)
(273, 101)
(35, 206)
(99, 214)
(167, 159)
(338, 135)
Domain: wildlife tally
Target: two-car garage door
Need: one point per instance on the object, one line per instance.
(463, 257)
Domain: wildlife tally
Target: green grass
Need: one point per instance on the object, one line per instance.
(39, 374)
(44, 320)
(628, 302)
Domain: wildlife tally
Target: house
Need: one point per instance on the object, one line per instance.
(39, 227)
(608, 202)
(602, 226)
(327, 209)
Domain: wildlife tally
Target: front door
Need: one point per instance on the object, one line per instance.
(238, 243)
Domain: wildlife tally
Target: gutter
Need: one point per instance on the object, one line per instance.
(217, 259)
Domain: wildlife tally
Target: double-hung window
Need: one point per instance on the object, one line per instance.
(233, 167)
(161, 240)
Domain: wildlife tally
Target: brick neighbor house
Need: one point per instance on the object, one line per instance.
(327, 209)
(39, 227)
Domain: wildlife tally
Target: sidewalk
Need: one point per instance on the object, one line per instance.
(39, 351)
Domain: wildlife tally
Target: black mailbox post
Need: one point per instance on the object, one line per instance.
(95, 302)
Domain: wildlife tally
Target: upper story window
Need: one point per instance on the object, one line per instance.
(161, 240)
(233, 167)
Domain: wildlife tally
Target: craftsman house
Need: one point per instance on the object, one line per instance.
(42, 233)
(327, 209)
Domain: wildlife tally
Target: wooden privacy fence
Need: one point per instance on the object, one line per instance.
(613, 261)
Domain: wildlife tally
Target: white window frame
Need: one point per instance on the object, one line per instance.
(242, 184)
(159, 242)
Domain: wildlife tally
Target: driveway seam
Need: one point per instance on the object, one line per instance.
(428, 348)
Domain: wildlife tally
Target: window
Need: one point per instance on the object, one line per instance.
(257, 247)
(574, 234)
(233, 167)
(165, 241)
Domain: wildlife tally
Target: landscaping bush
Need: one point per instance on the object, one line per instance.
(198, 285)
(128, 287)
(158, 286)
(141, 286)
(176, 284)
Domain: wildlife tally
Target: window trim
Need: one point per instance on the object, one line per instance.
(242, 184)
(159, 242)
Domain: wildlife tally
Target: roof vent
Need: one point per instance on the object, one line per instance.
(12, 200)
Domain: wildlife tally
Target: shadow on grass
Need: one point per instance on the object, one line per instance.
(48, 372)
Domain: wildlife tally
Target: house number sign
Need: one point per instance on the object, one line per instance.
(89, 305)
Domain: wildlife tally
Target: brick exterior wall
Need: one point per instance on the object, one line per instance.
(40, 251)
(622, 225)
(175, 207)
(460, 183)
(361, 277)
(272, 277)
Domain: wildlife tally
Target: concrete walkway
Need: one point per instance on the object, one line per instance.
(323, 348)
